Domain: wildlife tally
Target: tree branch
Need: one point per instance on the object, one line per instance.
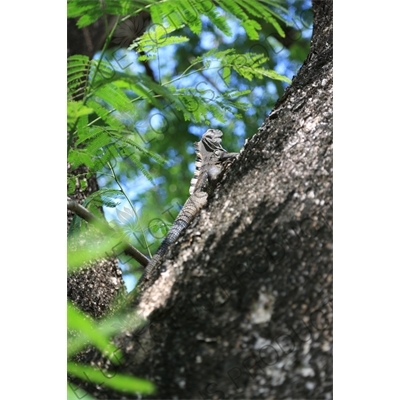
(85, 214)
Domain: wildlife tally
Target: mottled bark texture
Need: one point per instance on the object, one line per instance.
(244, 308)
(96, 286)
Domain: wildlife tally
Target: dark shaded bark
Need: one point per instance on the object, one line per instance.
(91, 39)
(87, 40)
(94, 289)
(244, 307)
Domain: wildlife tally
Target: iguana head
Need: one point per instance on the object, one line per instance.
(208, 151)
(211, 141)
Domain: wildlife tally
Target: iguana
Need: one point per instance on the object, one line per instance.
(209, 163)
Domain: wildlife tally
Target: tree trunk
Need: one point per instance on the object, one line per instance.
(244, 307)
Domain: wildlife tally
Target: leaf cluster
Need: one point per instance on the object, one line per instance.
(178, 13)
(83, 332)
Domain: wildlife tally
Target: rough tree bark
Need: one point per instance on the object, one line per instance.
(244, 307)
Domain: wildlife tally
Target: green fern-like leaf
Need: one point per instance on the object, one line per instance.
(76, 110)
(124, 383)
(219, 21)
(156, 38)
(90, 11)
(78, 68)
(128, 141)
(104, 197)
(78, 157)
(114, 96)
(178, 13)
(106, 115)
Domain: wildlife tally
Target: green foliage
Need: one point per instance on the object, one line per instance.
(89, 11)
(155, 38)
(248, 65)
(90, 249)
(178, 13)
(84, 332)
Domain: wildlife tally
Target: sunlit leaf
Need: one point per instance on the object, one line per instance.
(120, 382)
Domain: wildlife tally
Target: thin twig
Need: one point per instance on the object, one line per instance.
(85, 214)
